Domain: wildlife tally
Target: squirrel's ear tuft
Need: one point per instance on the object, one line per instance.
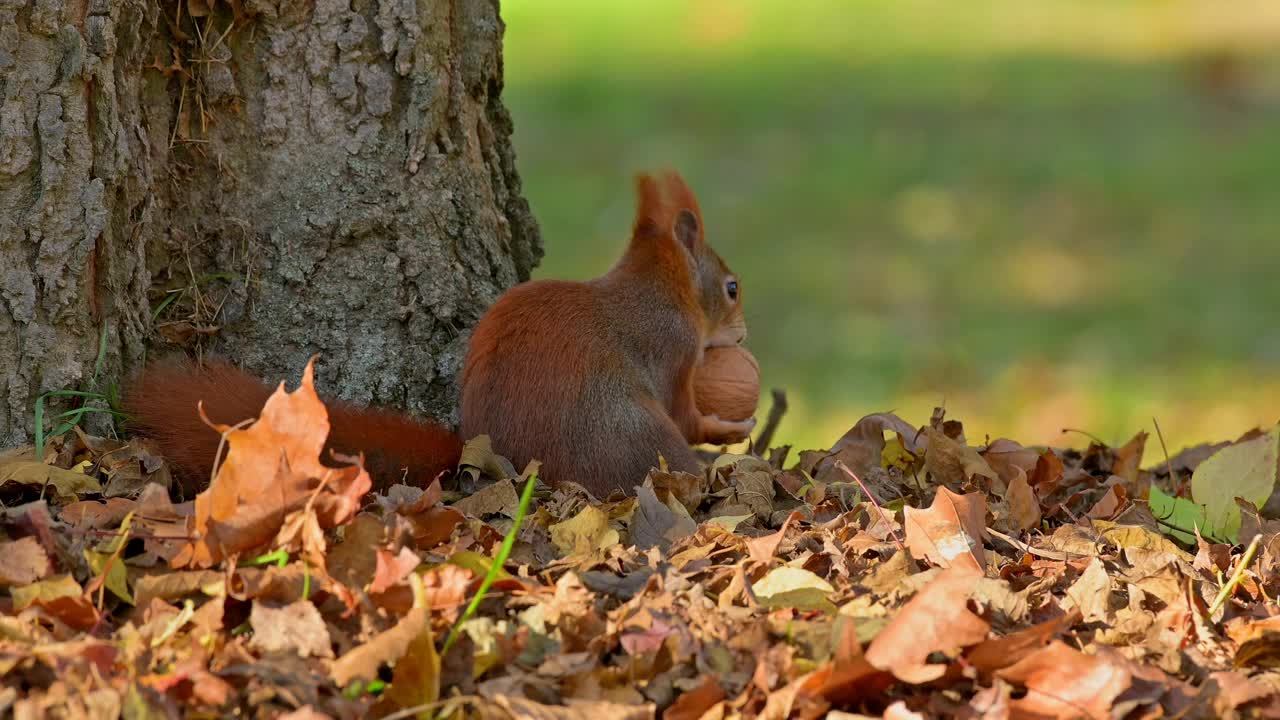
(687, 229)
(650, 209)
(688, 220)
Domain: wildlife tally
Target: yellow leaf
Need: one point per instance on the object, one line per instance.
(416, 678)
(729, 522)
(588, 530)
(51, 589)
(790, 587)
(67, 485)
(477, 563)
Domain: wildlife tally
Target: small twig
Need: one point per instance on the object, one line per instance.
(1047, 554)
(133, 535)
(776, 411)
(1230, 588)
(416, 709)
(1087, 434)
(1168, 465)
(1171, 526)
(883, 515)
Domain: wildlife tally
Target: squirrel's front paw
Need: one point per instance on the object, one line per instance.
(726, 432)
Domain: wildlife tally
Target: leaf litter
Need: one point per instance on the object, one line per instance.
(903, 573)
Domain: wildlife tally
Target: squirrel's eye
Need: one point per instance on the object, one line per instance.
(731, 288)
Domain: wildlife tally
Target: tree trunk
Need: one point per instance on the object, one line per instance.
(262, 179)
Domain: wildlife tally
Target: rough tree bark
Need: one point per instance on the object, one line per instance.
(264, 179)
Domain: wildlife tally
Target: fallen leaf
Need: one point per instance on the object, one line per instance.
(416, 678)
(478, 458)
(1090, 594)
(22, 562)
(65, 485)
(1062, 682)
(950, 532)
(1128, 459)
(937, 619)
(752, 485)
(1024, 506)
(362, 662)
(587, 531)
(508, 706)
(306, 712)
(691, 705)
(790, 587)
(296, 627)
(952, 463)
(97, 514)
(996, 653)
(499, 498)
(1246, 470)
(1179, 517)
(1010, 460)
(654, 524)
(762, 549)
(272, 469)
(392, 569)
(60, 596)
(862, 448)
(171, 586)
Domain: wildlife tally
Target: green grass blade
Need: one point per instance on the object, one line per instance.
(102, 355)
(508, 542)
(40, 428)
(171, 297)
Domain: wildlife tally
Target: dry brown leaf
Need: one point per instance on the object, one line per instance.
(392, 569)
(1024, 506)
(306, 712)
(1090, 594)
(1110, 504)
(1048, 474)
(354, 561)
(654, 524)
(1001, 652)
(848, 677)
(1062, 682)
(61, 597)
(65, 485)
(416, 678)
(272, 469)
(937, 619)
(762, 549)
(22, 562)
(861, 448)
(499, 498)
(434, 526)
(363, 661)
(296, 627)
(1128, 461)
(950, 532)
(1010, 460)
(952, 463)
(171, 586)
(518, 708)
(690, 705)
(97, 514)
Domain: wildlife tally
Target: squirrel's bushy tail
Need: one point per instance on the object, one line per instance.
(162, 405)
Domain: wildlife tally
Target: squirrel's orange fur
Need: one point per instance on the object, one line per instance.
(595, 379)
(162, 405)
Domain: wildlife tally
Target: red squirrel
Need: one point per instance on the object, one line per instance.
(594, 379)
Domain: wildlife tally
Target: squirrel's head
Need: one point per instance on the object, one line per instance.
(676, 222)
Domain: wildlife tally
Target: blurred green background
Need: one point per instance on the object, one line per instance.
(1041, 214)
